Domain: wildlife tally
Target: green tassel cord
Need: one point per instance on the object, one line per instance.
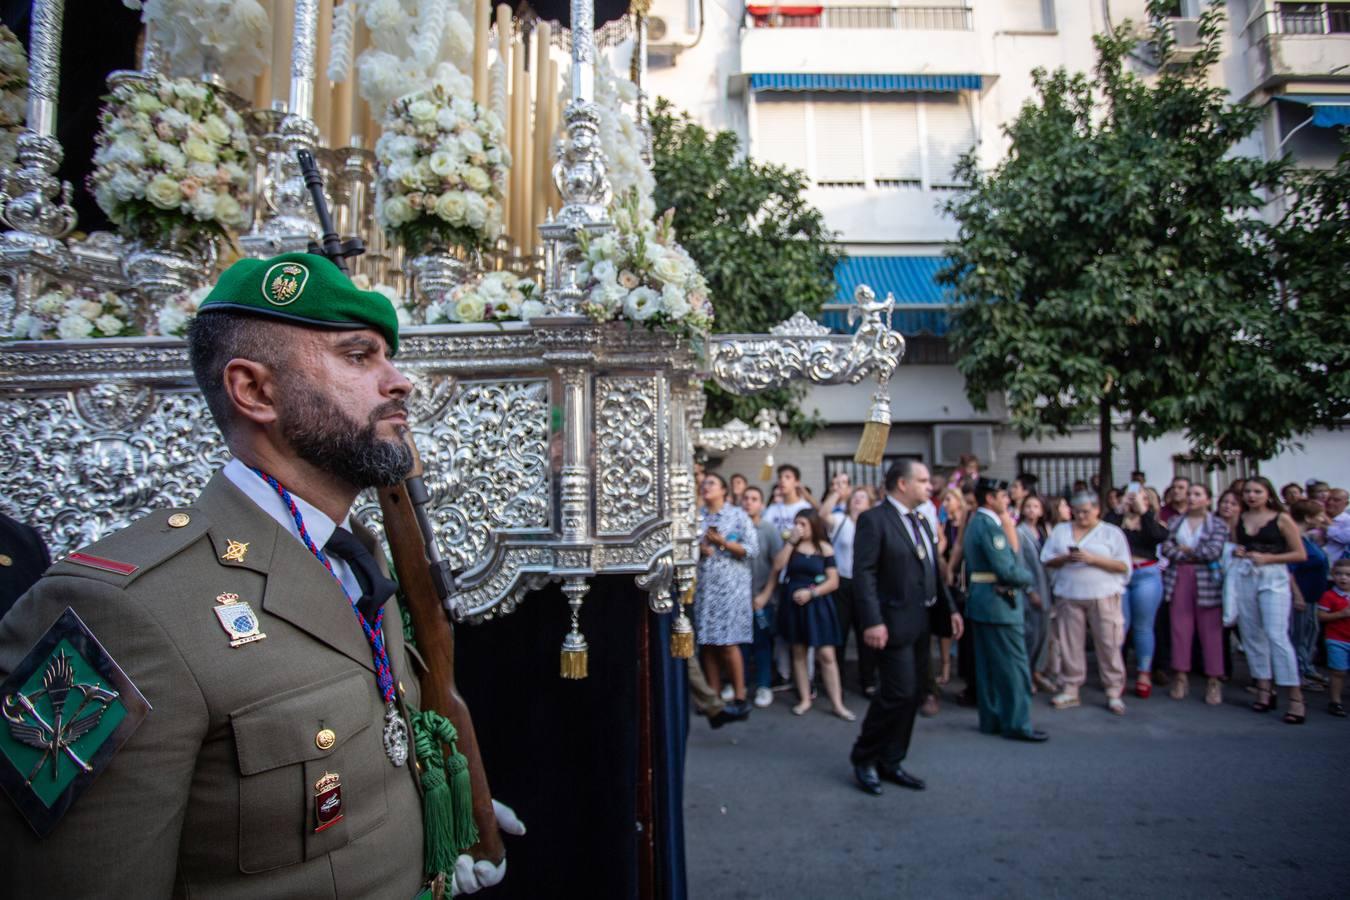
(447, 794)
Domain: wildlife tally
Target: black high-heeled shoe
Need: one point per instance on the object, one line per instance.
(1290, 718)
(1266, 705)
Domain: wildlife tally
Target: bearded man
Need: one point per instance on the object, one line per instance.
(215, 701)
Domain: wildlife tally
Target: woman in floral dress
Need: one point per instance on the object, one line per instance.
(722, 610)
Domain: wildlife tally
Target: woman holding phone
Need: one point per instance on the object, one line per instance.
(722, 611)
(1144, 592)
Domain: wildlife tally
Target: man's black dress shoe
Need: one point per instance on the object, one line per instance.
(729, 713)
(868, 782)
(901, 777)
(1034, 736)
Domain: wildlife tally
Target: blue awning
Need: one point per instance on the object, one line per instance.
(892, 84)
(920, 302)
(1328, 110)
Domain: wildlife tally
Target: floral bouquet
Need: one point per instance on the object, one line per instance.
(441, 159)
(13, 93)
(69, 316)
(495, 297)
(177, 313)
(639, 272)
(172, 160)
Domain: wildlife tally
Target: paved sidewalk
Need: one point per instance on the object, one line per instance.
(1176, 799)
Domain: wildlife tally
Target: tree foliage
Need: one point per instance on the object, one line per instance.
(764, 250)
(1115, 261)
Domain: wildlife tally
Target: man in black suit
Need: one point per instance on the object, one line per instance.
(23, 559)
(896, 581)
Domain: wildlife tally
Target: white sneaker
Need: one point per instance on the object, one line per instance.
(727, 693)
(763, 697)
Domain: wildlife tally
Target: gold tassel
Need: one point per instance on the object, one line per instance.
(872, 445)
(682, 631)
(766, 470)
(575, 651)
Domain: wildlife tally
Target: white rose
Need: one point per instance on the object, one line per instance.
(73, 328)
(604, 247)
(494, 156)
(90, 309)
(217, 130)
(203, 205)
(463, 108)
(669, 269)
(164, 192)
(422, 111)
(436, 313)
(532, 309)
(451, 207)
(641, 304)
(605, 272)
(674, 302)
(470, 308)
(475, 211)
(172, 320)
(442, 163)
(228, 210)
(472, 142)
(477, 179)
(172, 156)
(395, 211)
(108, 326)
(146, 103)
(27, 327)
(49, 304)
(187, 90)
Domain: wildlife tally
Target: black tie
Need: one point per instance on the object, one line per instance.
(929, 564)
(375, 588)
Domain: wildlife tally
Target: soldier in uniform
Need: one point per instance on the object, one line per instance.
(214, 701)
(995, 605)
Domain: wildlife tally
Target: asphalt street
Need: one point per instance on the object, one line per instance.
(1176, 799)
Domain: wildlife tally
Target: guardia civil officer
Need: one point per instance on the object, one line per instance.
(214, 701)
(995, 608)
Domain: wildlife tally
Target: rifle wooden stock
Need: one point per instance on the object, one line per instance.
(436, 643)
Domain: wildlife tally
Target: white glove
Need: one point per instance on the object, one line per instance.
(471, 876)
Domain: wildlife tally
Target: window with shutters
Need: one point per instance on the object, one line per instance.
(894, 126)
(1028, 15)
(950, 132)
(838, 127)
(780, 130)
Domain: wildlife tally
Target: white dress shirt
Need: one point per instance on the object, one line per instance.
(1080, 581)
(919, 536)
(319, 526)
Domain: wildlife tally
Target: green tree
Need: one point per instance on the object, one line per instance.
(765, 251)
(1115, 262)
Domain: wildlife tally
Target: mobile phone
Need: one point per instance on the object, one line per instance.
(1133, 487)
(1073, 548)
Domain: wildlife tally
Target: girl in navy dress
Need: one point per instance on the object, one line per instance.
(806, 613)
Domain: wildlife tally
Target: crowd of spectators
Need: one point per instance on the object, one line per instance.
(1163, 582)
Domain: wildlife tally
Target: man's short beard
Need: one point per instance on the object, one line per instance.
(324, 436)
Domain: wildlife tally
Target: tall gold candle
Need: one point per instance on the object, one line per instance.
(543, 102)
(520, 96)
(262, 83)
(283, 29)
(323, 88)
(358, 113)
(481, 22)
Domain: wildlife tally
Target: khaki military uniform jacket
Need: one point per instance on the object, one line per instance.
(213, 795)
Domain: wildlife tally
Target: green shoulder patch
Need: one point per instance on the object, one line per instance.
(68, 709)
(1000, 542)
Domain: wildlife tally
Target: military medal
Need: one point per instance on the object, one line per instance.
(238, 619)
(235, 551)
(395, 729)
(327, 801)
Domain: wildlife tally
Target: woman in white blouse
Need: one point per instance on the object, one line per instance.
(1089, 562)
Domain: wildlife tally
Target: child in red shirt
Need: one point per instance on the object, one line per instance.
(1333, 611)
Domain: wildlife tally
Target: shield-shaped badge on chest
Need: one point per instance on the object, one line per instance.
(327, 801)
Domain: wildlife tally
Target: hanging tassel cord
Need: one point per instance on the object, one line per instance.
(447, 796)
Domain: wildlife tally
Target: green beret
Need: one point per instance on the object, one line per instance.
(303, 288)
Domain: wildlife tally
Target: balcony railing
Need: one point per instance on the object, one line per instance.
(1300, 18)
(908, 18)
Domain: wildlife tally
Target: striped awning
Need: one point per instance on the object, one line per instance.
(892, 84)
(1328, 110)
(920, 302)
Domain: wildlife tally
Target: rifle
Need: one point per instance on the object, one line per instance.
(423, 574)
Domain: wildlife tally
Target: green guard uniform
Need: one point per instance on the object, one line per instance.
(191, 704)
(995, 607)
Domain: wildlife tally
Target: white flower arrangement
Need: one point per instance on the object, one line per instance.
(171, 157)
(67, 316)
(230, 37)
(639, 272)
(439, 162)
(414, 44)
(401, 307)
(177, 313)
(494, 297)
(13, 93)
(622, 140)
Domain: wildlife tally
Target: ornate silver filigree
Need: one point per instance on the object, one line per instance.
(657, 582)
(627, 416)
(748, 364)
(736, 435)
(163, 270)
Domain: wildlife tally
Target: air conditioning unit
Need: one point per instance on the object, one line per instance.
(656, 28)
(951, 442)
(1186, 32)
